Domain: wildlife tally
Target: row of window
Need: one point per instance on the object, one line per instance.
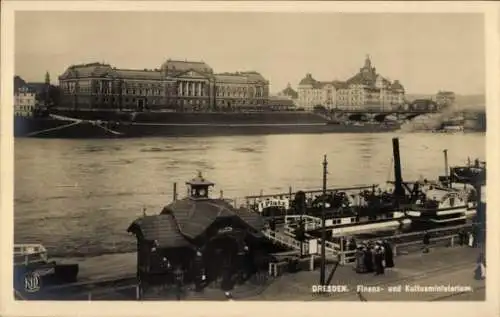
(24, 94)
(24, 108)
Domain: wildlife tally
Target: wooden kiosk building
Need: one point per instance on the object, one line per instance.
(198, 239)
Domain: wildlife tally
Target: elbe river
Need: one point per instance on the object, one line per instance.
(77, 197)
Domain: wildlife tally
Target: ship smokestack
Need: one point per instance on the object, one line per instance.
(398, 180)
(446, 168)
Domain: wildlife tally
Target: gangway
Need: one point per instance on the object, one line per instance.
(310, 222)
(287, 239)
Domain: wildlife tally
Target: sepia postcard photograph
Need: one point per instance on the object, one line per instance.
(276, 155)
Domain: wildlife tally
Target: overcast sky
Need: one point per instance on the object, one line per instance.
(426, 52)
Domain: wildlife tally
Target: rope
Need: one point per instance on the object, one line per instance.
(52, 129)
(108, 130)
(74, 122)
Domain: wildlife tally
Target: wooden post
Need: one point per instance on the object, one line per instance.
(290, 191)
(221, 194)
(323, 229)
(446, 169)
(138, 292)
(175, 191)
(342, 251)
(311, 263)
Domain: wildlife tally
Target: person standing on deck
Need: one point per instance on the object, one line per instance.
(368, 258)
(389, 256)
(360, 260)
(379, 259)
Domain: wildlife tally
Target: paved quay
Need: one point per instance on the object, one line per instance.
(442, 266)
(446, 266)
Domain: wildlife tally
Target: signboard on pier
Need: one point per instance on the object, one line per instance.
(313, 246)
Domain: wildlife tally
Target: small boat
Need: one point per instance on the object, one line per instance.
(432, 205)
(467, 180)
(33, 258)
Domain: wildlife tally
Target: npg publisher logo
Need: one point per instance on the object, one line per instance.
(32, 282)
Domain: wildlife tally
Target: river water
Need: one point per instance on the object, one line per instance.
(77, 197)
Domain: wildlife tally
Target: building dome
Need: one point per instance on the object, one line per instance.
(289, 92)
(396, 85)
(308, 80)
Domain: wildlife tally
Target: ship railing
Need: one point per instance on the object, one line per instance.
(291, 194)
(29, 253)
(331, 247)
(308, 220)
(349, 256)
(285, 240)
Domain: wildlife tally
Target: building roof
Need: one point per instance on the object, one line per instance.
(86, 70)
(137, 74)
(241, 77)
(396, 85)
(363, 78)
(177, 66)
(160, 228)
(339, 84)
(19, 84)
(231, 78)
(199, 180)
(280, 101)
(308, 80)
(446, 93)
(193, 217)
(254, 76)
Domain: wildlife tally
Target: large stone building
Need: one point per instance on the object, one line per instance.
(312, 92)
(366, 89)
(177, 85)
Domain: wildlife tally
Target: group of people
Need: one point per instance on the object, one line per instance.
(374, 257)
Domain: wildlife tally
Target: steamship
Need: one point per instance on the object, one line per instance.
(398, 205)
(347, 210)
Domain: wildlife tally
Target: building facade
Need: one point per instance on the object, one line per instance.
(312, 92)
(445, 98)
(176, 85)
(366, 89)
(24, 98)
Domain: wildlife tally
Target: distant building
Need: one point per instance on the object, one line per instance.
(281, 103)
(312, 92)
(289, 93)
(177, 85)
(445, 98)
(24, 98)
(287, 96)
(366, 89)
